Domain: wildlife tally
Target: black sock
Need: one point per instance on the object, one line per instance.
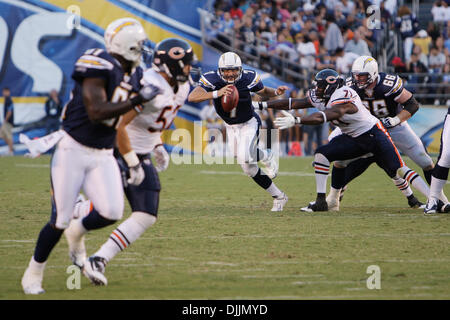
(338, 177)
(356, 168)
(427, 174)
(95, 221)
(48, 238)
(321, 196)
(262, 180)
(440, 172)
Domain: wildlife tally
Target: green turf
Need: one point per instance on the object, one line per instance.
(217, 239)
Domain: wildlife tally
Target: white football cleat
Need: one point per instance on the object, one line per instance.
(32, 282)
(278, 203)
(75, 240)
(270, 165)
(93, 269)
(431, 207)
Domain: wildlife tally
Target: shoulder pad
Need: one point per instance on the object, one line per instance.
(209, 80)
(251, 78)
(94, 62)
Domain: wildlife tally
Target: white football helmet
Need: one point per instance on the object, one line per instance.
(125, 37)
(230, 61)
(364, 65)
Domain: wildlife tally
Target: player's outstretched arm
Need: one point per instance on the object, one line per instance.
(99, 108)
(199, 94)
(268, 92)
(320, 117)
(283, 104)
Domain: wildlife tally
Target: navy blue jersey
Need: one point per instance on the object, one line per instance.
(97, 63)
(381, 102)
(407, 25)
(250, 81)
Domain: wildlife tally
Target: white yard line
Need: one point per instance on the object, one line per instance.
(281, 173)
(31, 165)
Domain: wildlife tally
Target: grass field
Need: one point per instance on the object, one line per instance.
(217, 239)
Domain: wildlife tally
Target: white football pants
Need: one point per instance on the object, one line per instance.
(75, 167)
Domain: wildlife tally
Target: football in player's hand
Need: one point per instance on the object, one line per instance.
(230, 101)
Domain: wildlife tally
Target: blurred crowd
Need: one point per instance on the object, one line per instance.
(426, 53)
(315, 34)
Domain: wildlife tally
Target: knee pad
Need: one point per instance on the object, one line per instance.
(250, 169)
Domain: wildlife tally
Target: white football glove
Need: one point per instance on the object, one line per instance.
(162, 158)
(390, 122)
(137, 173)
(41, 145)
(287, 121)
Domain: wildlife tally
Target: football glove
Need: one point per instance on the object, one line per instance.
(137, 173)
(390, 122)
(287, 121)
(162, 158)
(147, 93)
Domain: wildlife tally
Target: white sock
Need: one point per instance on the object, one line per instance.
(436, 188)
(36, 267)
(402, 185)
(125, 234)
(321, 168)
(414, 180)
(274, 191)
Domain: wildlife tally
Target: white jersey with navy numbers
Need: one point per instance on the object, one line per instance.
(158, 114)
(353, 124)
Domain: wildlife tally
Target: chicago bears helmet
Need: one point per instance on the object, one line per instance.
(171, 56)
(364, 71)
(326, 82)
(125, 37)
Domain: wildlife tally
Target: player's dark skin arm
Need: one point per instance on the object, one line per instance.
(333, 113)
(97, 106)
(283, 104)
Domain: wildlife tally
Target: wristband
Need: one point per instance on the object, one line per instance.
(396, 120)
(298, 120)
(131, 159)
(215, 94)
(324, 116)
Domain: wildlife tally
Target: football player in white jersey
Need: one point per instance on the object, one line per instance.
(107, 85)
(139, 135)
(386, 98)
(362, 132)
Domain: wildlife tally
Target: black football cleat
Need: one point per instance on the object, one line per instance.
(414, 203)
(316, 206)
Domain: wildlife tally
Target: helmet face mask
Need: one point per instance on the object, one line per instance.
(364, 71)
(230, 67)
(125, 37)
(174, 57)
